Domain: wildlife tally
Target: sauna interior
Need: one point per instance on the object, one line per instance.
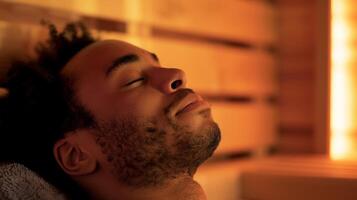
(278, 74)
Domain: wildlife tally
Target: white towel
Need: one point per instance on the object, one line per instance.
(19, 183)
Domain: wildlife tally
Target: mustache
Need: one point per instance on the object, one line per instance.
(179, 96)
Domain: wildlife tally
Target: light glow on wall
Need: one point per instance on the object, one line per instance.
(343, 118)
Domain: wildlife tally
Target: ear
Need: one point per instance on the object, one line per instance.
(74, 160)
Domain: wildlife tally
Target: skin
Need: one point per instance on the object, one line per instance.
(147, 142)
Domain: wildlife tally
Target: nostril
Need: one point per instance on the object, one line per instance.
(176, 84)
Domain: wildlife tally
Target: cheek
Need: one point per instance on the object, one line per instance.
(144, 104)
(96, 99)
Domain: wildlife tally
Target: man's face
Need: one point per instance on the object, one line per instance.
(148, 125)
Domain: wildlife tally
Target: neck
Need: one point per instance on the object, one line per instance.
(180, 188)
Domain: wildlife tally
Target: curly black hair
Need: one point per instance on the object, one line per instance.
(41, 106)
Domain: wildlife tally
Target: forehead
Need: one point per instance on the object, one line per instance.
(100, 54)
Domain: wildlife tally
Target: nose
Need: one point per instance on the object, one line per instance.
(168, 80)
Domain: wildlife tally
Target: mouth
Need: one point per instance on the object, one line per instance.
(187, 101)
(198, 104)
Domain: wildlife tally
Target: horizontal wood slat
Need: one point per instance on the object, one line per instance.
(29, 14)
(113, 9)
(247, 72)
(167, 33)
(251, 21)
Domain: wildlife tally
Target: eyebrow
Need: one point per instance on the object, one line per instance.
(120, 61)
(130, 58)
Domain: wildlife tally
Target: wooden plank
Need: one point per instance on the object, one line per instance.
(28, 14)
(297, 65)
(295, 139)
(247, 72)
(251, 21)
(297, 102)
(296, 182)
(245, 127)
(113, 9)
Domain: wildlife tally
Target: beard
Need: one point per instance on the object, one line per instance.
(142, 153)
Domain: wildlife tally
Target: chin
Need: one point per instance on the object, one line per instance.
(213, 136)
(206, 142)
(210, 135)
(197, 121)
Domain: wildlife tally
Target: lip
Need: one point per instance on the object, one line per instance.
(195, 105)
(190, 103)
(181, 103)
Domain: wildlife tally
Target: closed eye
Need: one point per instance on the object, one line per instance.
(134, 81)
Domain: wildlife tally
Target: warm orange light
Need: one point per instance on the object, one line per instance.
(343, 118)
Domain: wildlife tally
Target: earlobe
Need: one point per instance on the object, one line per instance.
(74, 160)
